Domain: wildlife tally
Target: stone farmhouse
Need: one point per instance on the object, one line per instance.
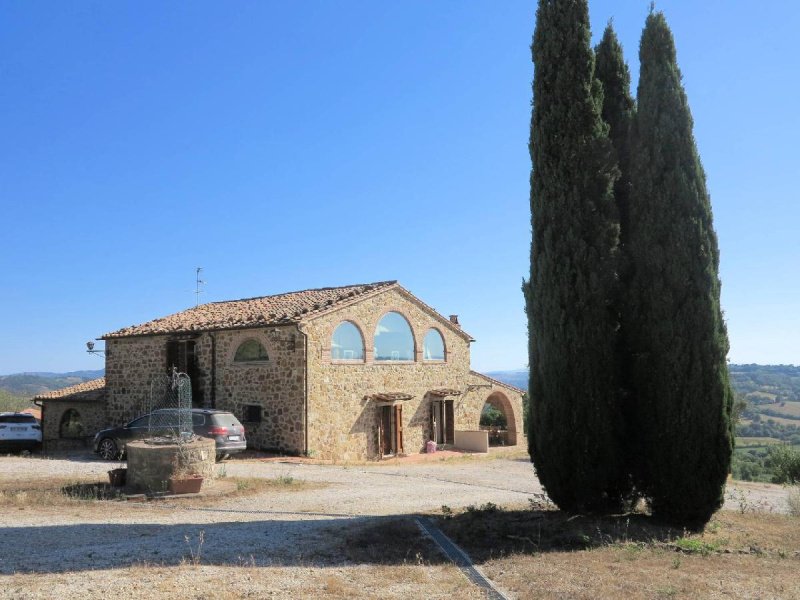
(354, 372)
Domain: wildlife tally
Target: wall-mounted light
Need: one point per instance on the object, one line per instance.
(90, 349)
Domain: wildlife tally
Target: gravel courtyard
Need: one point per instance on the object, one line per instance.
(278, 527)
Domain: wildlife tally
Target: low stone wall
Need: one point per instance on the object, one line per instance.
(474, 441)
(150, 466)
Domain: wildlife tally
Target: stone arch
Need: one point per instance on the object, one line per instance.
(239, 338)
(71, 425)
(500, 401)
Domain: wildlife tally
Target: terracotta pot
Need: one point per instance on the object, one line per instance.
(117, 477)
(185, 485)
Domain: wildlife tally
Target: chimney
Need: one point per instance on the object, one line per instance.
(454, 320)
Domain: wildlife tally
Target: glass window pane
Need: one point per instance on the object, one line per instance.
(347, 343)
(250, 350)
(434, 346)
(393, 338)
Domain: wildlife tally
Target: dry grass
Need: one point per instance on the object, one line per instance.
(793, 500)
(59, 491)
(542, 553)
(246, 581)
(385, 557)
(54, 491)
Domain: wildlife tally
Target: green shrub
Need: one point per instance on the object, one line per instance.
(785, 464)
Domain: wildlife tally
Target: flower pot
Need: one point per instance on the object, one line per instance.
(185, 485)
(117, 477)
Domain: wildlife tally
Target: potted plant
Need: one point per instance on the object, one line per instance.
(117, 477)
(184, 480)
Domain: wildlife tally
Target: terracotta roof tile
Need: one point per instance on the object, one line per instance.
(444, 392)
(92, 390)
(391, 396)
(279, 309)
(498, 382)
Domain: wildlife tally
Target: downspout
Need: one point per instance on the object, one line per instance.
(213, 337)
(305, 388)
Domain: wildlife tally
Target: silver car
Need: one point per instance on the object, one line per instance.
(220, 425)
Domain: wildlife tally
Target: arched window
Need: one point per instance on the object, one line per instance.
(433, 348)
(250, 351)
(347, 343)
(71, 425)
(393, 338)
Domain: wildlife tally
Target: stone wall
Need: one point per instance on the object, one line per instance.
(343, 420)
(150, 466)
(131, 364)
(277, 385)
(92, 414)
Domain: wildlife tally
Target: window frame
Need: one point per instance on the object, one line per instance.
(258, 361)
(394, 361)
(444, 347)
(348, 361)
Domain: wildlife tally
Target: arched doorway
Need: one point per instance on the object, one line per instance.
(71, 426)
(497, 417)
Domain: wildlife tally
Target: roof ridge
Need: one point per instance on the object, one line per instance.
(320, 289)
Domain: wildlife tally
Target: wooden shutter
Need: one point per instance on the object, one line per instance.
(385, 431)
(449, 421)
(398, 428)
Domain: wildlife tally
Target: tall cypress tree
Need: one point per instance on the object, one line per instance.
(618, 110)
(572, 323)
(682, 396)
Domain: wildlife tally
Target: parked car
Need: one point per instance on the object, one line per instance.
(19, 431)
(219, 425)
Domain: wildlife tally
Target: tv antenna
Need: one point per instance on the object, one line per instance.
(198, 286)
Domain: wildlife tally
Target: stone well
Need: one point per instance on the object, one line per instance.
(150, 466)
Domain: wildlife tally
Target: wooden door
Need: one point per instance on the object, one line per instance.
(449, 423)
(398, 429)
(385, 432)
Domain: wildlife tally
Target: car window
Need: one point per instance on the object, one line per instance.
(226, 419)
(198, 420)
(140, 422)
(29, 419)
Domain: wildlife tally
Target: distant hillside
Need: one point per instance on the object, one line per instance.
(758, 384)
(517, 377)
(27, 385)
(11, 403)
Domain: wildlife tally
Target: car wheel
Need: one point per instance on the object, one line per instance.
(107, 449)
(222, 456)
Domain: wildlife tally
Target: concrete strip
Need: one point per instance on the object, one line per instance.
(460, 558)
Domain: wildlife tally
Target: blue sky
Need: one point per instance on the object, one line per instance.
(288, 145)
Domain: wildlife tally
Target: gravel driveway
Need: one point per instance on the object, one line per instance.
(273, 527)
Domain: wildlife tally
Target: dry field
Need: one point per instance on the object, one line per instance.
(537, 552)
(296, 530)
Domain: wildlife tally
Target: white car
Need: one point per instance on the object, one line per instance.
(19, 431)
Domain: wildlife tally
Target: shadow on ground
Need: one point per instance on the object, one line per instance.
(332, 541)
(489, 532)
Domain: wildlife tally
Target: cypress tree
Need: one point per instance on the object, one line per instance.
(618, 110)
(574, 419)
(681, 393)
